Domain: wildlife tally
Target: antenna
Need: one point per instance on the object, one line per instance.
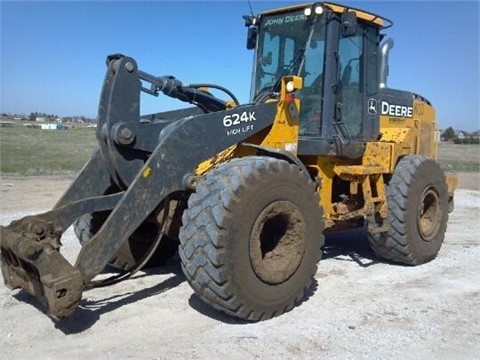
(250, 6)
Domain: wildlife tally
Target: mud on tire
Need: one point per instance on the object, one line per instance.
(417, 213)
(252, 237)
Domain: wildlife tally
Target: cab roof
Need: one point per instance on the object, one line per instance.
(337, 8)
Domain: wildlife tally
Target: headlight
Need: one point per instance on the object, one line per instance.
(290, 86)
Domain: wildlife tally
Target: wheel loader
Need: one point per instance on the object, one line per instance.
(247, 192)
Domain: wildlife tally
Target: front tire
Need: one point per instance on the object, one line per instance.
(417, 213)
(252, 237)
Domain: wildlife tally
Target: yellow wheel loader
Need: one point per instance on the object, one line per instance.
(246, 192)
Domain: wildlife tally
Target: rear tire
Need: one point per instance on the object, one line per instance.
(252, 237)
(417, 213)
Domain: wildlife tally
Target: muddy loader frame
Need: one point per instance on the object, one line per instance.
(155, 167)
(247, 192)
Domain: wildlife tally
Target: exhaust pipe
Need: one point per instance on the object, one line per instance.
(384, 50)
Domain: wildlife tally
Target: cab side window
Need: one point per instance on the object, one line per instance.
(350, 92)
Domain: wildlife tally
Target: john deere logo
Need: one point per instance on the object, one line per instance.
(372, 106)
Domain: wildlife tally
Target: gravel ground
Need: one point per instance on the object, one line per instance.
(360, 308)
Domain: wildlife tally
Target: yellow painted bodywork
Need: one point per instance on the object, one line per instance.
(416, 135)
(452, 182)
(284, 132)
(349, 189)
(366, 187)
(365, 196)
(282, 135)
(360, 14)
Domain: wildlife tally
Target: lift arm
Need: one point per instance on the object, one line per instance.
(30, 247)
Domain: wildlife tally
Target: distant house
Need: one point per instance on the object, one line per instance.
(7, 123)
(461, 134)
(475, 134)
(48, 126)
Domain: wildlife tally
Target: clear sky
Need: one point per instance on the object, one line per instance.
(53, 53)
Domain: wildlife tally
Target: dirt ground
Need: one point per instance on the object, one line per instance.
(360, 308)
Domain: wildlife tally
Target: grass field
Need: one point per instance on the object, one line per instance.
(25, 151)
(458, 157)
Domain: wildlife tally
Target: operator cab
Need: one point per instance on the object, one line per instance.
(335, 50)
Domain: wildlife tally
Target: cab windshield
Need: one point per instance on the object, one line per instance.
(288, 44)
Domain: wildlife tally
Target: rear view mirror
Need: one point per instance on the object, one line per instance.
(252, 37)
(349, 23)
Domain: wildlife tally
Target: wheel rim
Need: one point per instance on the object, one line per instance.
(429, 214)
(277, 242)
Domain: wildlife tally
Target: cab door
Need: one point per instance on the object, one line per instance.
(345, 121)
(357, 86)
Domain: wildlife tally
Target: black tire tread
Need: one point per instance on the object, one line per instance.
(203, 236)
(395, 245)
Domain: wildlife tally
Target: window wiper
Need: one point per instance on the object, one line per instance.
(289, 69)
(293, 68)
(297, 60)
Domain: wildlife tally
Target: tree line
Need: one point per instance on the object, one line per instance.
(451, 135)
(50, 117)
